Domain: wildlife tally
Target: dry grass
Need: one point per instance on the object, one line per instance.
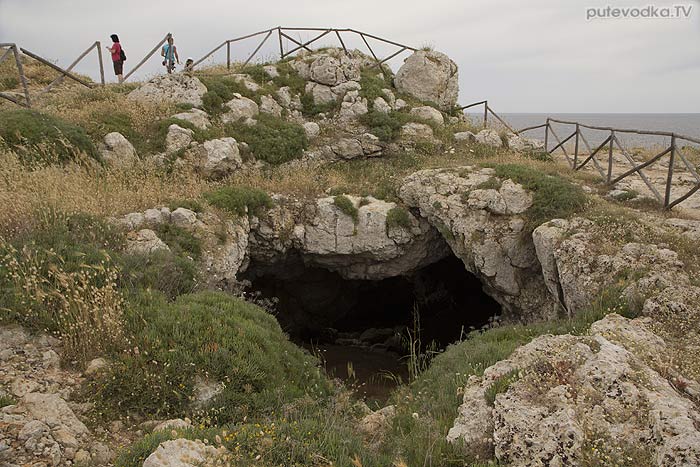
(76, 189)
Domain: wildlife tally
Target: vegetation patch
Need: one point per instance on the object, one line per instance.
(553, 196)
(289, 77)
(40, 139)
(500, 385)
(208, 337)
(180, 241)
(163, 271)
(311, 108)
(271, 139)
(398, 217)
(220, 89)
(385, 126)
(372, 82)
(491, 184)
(240, 200)
(346, 206)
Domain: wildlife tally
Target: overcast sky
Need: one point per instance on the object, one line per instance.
(523, 56)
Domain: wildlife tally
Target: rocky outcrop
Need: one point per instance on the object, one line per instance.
(365, 247)
(606, 397)
(117, 150)
(177, 139)
(42, 426)
(144, 241)
(429, 114)
(489, 137)
(186, 453)
(178, 88)
(430, 77)
(416, 130)
(485, 228)
(216, 158)
(365, 145)
(198, 118)
(240, 108)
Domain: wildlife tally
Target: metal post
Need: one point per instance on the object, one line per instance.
(669, 179)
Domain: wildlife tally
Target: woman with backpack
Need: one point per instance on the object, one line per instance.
(169, 54)
(118, 57)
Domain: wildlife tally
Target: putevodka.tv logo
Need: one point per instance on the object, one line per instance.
(646, 12)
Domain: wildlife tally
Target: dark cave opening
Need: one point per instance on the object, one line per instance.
(360, 327)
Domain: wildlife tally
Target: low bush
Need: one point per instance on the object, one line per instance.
(40, 139)
(180, 241)
(346, 206)
(386, 127)
(398, 217)
(211, 337)
(289, 77)
(553, 196)
(311, 108)
(372, 82)
(271, 139)
(240, 200)
(163, 271)
(220, 89)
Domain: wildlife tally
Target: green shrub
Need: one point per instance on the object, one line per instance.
(163, 271)
(191, 204)
(257, 73)
(271, 139)
(213, 336)
(240, 200)
(289, 77)
(386, 127)
(398, 217)
(220, 89)
(310, 108)
(346, 206)
(372, 82)
(41, 139)
(6, 399)
(553, 196)
(180, 241)
(491, 184)
(500, 385)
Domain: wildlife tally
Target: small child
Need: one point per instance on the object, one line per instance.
(189, 64)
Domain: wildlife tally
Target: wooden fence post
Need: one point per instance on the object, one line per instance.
(578, 131)
(486, 112)
(610, 155)
(228, 55)
(279, 36)
(98, 44)
(154, 50)
(546, 136)
(22, 77)
(669, 178)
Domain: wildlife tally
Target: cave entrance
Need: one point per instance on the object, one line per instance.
(360, 328)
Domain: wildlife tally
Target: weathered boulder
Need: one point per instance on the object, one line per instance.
(416, 130)
(605, 396)
(380, 105)
(217, 158)
(489, 137)
(117, 150)
(366, 145)
(333, 71)
(428, 113)
(311, 129)
(375, 425)
(145, 241)
(321, 93)
(54, 411)
(178, 88)
(268, 105)
(240, 108)
(197, 117)
(520, 143)
(185, 453)
(465, 136)
(177, 139)
(430, 77)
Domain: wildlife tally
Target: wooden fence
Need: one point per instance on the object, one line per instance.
(580, 158)
(14, 50)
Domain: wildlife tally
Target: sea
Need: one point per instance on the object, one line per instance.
(685, 124)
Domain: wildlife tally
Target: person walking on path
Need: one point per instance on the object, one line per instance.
(169, 54)
(118, 57)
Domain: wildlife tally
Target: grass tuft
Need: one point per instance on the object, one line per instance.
(346, 206)
(398, 217)
(240, 200)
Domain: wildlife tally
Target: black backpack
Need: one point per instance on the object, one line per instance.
(122, 55)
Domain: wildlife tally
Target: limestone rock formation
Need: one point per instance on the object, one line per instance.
(240, 108)
(178, 88)
(145, 241)
(268, 105)
(520, 143)
(185, 453)
(117, 150)
(429, 114)
(431, 77)
(216, 158)
(361, 248)
(485, 229)
(196, 117)
(416, 130)
(489, 137)
(177, 139)
(606, 396)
